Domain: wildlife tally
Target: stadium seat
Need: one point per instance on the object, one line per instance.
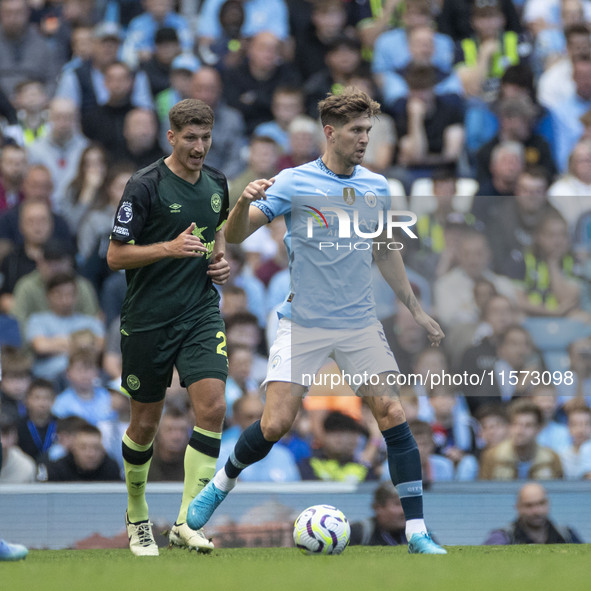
(398, 194)
(423, 202)
(554, 335)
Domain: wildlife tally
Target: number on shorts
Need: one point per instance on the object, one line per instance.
(221, 349)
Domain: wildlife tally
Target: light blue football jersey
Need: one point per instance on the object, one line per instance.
(330, 272)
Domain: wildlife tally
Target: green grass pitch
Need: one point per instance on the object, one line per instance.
(500, 568)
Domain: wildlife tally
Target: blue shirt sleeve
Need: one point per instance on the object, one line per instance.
(279, 195)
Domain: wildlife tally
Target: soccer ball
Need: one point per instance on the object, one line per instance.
(321, 529)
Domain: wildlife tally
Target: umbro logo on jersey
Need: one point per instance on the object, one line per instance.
(175, 208)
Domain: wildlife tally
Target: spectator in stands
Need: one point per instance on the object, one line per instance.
(552, 434)
(36, 226)
(95, 227)
(170, 446)
(85, 84)
(249, 87)
(498, 313)
(335, 459)
(139, 44)
(239, 382)
(570, 194)
(494, 425)
(556, 83)
(568, 112)
(435, 467)
(342, 60)
(242, 329)
(517, 118)
(287, 104)
(278, 466)
(86, 187)
(86, 460)
(429, 127)
(228, 135)
(113, 428)
(507, 162)
(263, 156)
(37, 186)
(305, 142)
(546, 14)
(454, 19)
(30, 291)
(16, 379)
(533, 525)
(104, 123)
(140, 131)
(454, 291)
(386, 526)
(17, 466)
(83, 397)
(391, 50)
(31, 100)
(227, 50)
(182, 68)
(482, 58)
(61, 148)
(548, 287)
(513, 222)
(49, 333)
(259, 16)
(326, 23)
(13, 168)
(157, 67)
(81, 41)
(421, 45)
(520, 456)
(579, 390)
(37, 430)
(481, 118)
(576, 458)
(24, 53)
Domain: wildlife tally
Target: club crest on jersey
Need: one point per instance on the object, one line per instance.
(349, 195)
(216, 203)
(125, 214)
(133, 382)
(370, 199)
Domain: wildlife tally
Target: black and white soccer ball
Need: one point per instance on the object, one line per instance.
(321, 529)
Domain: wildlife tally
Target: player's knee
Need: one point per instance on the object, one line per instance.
(275, 429)
(390, 414)
(142, 431)
(214, 412)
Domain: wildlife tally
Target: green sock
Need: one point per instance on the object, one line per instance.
(200, 459)
(136, 462)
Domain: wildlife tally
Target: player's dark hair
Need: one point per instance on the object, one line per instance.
(190, 112)
(339, 109)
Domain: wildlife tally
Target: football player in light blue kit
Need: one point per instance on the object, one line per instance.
(336, 214)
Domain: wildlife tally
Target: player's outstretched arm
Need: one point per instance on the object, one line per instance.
(243, 219)
(391, 267)
(131, 256)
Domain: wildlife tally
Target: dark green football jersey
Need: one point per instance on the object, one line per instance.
(157, 206)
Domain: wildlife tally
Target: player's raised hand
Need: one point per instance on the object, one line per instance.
(186, 245)
(255, 190)
(434, 331)
(219, 269)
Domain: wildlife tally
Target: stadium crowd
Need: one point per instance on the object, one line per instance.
(485, 134)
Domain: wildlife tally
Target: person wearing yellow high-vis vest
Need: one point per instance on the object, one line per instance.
(484, 57)
(549, 287)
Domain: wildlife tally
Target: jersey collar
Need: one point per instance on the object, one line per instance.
(327, 170)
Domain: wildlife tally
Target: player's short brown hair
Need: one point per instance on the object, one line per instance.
(339, 109)
(190, 112)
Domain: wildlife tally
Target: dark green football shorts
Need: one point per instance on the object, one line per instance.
(197, 349)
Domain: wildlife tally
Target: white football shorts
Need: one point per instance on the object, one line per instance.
(298, 352)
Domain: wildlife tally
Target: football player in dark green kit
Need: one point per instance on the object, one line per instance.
(168, 237)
